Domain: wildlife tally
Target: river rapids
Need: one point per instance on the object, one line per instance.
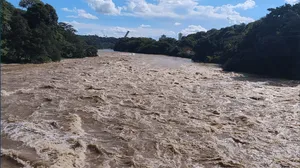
(133, 110)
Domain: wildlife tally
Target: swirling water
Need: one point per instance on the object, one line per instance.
(125, 110)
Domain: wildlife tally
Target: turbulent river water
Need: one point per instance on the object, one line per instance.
(125, 110)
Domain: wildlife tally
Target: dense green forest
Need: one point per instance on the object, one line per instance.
(165, 45)
(99, 42)
(214, 46)
(33, 35)
(269, 46)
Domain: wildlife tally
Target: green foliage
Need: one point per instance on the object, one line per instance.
(271, 45)
(35, 36)
(17, 38)
(91, 51)
(165, 45)
(138, 45)
(217, 46)
(162, 37)
(28, 3)
(72, 46)
(99, 42)
(5, 17)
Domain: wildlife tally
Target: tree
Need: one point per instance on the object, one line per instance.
(66, 27)
(91, 51)
(18, 38)
(271, 45)
(99, 42)
(5, 16)
(52, 16)
(28, 3)
(34, 35)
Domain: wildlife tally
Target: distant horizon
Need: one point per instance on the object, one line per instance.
(152, 18)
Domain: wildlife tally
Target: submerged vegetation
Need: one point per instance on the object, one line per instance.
(269, 46)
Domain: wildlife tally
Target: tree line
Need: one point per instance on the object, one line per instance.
(165, 46)
(34, 35)
(99, 42)
(269, 46)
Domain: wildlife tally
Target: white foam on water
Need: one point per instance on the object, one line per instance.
(151, 111)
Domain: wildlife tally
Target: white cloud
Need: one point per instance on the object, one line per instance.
(177, 24)
(292, 1)
(67, 10)
(164, 8)
(225, 12)
(188, 9)
(107, 7)
(192, 29)
(144, 26)
(84, 14)
(80, 13)
(175, 9)
(115, 31)
(248, 4)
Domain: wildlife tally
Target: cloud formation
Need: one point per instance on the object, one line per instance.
(193, 29)
(248, 4)
(80, 13)
(144, 26)
(164, 8)
(225, 12)
(177, 24)
(179, 9)
(292, 1)
(116, 31)
(107, 7)
(67, 10)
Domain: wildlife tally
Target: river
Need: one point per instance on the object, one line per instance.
(136, 110)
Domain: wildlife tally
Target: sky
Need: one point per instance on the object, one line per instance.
(152, 18)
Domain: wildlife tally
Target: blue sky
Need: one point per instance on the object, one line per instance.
(152, 18)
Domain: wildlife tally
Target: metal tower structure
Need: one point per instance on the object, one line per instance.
(126, 34)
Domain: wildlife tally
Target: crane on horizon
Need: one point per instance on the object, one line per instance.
(126, 34)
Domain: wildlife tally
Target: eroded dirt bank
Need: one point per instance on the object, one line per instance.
(145, 111)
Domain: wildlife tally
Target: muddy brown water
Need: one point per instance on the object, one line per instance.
(124, 110)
